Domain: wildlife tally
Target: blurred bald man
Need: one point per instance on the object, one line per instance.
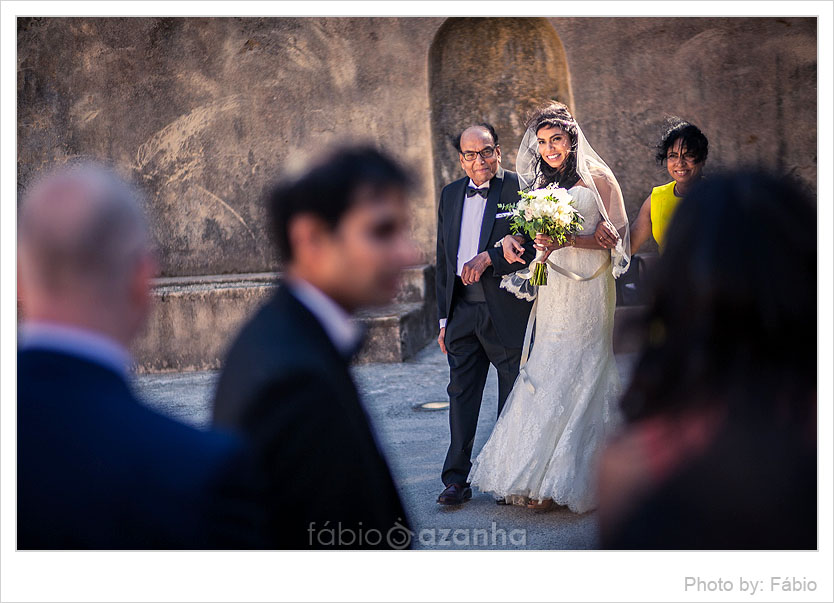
(96, 469)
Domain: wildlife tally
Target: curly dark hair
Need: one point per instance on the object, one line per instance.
(692, 139)
(556, 115)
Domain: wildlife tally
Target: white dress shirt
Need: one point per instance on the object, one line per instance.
(342, 331)
(470, 224)
(470, 227)
(74, 341)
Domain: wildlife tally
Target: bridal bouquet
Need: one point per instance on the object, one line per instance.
(548, 211)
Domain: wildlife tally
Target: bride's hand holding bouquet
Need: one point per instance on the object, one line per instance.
(547, 216)
(547, 244)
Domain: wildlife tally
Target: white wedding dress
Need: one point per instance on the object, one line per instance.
(564, 403)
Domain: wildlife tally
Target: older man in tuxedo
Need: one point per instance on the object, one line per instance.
(97, 469)
(480, 324)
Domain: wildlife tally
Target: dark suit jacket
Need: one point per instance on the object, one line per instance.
(508, 312)
(286, 387)
(98, 470)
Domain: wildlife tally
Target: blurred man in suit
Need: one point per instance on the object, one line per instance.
(479, 323)
(342, 234)
(96, 469)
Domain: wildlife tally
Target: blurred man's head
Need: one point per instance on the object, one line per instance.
(84, 256)
(343, 226)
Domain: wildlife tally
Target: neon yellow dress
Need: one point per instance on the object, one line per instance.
(664, 204)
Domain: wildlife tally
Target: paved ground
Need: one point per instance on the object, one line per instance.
(415, 442)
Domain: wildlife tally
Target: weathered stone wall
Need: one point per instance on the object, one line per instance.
(203, 113)
(749, 83)
(493, 70)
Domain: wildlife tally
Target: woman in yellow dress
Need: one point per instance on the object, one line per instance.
(683, 148)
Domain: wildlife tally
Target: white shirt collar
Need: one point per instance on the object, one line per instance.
(340, 328)
(498, 174)
(74, 341)
(484, 186)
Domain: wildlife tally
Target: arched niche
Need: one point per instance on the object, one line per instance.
(494, 70)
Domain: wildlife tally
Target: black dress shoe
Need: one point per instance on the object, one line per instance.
(455, 494)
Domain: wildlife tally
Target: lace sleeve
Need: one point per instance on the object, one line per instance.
(518, 283)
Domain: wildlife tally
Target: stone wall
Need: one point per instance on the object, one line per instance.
(749, 83)
(204, 113)
(515, 63)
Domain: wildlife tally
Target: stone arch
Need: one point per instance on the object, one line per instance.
(495, 70)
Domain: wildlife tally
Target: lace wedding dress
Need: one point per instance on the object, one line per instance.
(563, 405)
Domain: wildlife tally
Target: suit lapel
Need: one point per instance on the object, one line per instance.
(331, 363)
(491, 209)
(311, 331)
(457, 196)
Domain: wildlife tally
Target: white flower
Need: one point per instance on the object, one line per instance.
(540, 193)
(560, 195)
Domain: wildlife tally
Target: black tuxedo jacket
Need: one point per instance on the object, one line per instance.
(286, 387)
(98, 470)
(509, 313)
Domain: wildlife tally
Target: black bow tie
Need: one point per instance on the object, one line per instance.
(471, 192)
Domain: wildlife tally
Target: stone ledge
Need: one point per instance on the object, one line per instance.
(195, 318)
(179, 284)
(397, 332)
(191, 325)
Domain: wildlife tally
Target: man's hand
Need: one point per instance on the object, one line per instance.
(605, 235)
(441, 339)
(474, 268)
(511, 246)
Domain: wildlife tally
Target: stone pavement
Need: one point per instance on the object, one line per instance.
(414, 441)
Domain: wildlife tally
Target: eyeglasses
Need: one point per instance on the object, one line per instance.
(687, 156)
(486, 153)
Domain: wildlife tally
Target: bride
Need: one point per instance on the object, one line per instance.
(544, 446)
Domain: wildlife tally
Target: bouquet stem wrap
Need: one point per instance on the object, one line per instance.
(539, 267)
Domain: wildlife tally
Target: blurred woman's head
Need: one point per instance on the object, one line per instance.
(556, 140)
(683, 148)
(733, 313)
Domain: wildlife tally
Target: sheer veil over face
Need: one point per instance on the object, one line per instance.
(595, 174)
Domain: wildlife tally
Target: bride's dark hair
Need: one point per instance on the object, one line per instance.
(555, 115)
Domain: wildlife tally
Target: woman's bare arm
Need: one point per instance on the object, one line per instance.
(641, 230)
